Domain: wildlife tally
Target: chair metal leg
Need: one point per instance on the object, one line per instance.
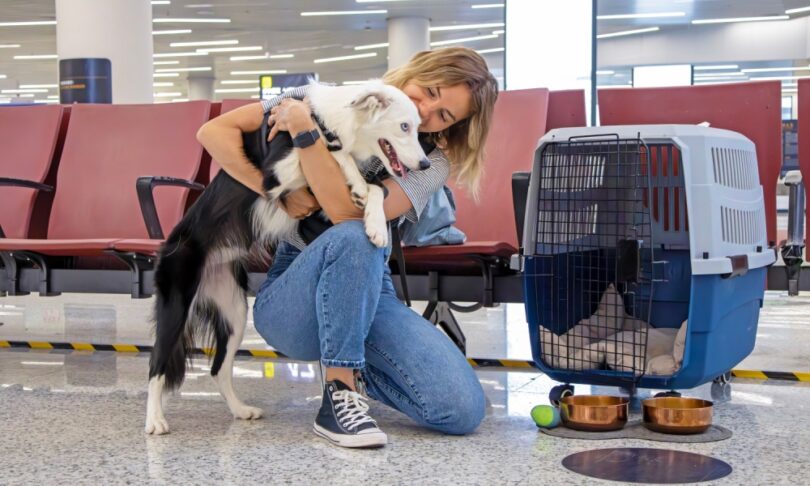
(439, 313)
(137, 264)
(11, 275)
(44, 272)
(443, 317)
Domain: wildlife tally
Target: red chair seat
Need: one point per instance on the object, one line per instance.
(144, 246)
(63, 247)
(458, 252)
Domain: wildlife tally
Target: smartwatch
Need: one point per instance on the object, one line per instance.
(306, 138)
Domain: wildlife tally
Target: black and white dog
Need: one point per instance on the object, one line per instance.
(201, 276)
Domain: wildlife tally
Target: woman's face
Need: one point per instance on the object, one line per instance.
(440, 106)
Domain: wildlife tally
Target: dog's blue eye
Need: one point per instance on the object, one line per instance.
(405, 127)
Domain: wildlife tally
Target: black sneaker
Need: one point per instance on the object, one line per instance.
(343, 418)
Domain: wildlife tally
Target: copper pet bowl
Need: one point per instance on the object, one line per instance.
(594, 413)
(677, 415)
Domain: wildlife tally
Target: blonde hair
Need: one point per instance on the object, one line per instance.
(462, 142)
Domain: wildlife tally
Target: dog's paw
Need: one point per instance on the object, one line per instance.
(246, 412)
(156, 426)
(377, 234)
(359, 195)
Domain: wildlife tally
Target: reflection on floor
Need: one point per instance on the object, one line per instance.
(78, 416)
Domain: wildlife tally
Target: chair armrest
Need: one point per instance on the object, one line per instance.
(520, 191)
(8, 181)
(145, 187)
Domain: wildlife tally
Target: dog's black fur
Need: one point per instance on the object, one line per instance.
(220, 217)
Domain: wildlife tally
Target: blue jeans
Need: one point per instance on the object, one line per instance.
(335, 302)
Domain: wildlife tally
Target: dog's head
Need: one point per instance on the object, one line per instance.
(386, 126)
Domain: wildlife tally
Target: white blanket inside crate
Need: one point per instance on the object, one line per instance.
(618, 340)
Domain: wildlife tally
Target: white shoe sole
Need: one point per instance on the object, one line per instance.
(369, 440)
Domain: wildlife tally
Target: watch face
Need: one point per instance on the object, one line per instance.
(305, 139)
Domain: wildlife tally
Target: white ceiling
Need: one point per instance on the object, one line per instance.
(694, 9)
(278, 27)
(275, 25)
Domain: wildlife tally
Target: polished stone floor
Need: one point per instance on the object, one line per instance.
(76, 417)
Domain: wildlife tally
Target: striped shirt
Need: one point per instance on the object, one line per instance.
(418, 187)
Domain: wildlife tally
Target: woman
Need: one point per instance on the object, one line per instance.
(333, 300)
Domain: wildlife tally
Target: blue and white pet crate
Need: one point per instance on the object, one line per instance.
(672, 216)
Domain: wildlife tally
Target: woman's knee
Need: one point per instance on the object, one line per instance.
(457, 412)
(348, 241)
(351, 233)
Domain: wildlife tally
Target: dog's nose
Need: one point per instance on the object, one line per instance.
(424, 164)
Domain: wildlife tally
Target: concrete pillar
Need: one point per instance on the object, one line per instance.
(406, 37)
(201, 87)
(116, 30)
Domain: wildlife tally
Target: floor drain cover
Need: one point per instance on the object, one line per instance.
(641, 465)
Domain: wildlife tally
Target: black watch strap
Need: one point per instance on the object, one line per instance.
(306, 138)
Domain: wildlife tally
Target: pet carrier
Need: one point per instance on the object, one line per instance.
(645, 255)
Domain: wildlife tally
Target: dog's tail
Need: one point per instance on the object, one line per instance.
(177, 279)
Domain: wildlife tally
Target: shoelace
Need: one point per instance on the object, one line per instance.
(351, 409)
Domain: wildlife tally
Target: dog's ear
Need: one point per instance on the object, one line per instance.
(372, 103)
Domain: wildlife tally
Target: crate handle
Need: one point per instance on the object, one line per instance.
(595, 135)
(739, 266)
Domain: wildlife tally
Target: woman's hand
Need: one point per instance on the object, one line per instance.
(291, 116)
(300, 203)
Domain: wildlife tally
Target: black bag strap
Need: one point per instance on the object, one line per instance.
(399, 256)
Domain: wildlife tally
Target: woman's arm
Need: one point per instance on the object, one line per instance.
(222, 138)
(321, 170)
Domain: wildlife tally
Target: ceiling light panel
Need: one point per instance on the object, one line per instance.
(463, 39)
(229, 42)
(741, 19)
(371, 46)
(628, 32)
(184, 70)
(174, 20)
(716, 66)
(263, 71)
(231, 49)
(171, 32)
(178, 54)
(27, 23)
(342, 12)
(345, 58)
(797, 10)
(466, 27)
(641, 16)
(36, 56)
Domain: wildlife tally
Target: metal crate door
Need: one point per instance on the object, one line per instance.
(593, 250)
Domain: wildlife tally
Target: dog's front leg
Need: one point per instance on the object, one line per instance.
(354, 179)
(374, 217)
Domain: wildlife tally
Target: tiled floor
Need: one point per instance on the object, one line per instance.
(77, 417)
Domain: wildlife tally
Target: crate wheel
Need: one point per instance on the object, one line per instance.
(723, 379)
(559, 392)
(721, 392)
(671, 393)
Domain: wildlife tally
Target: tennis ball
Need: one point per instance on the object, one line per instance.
(546, 416)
